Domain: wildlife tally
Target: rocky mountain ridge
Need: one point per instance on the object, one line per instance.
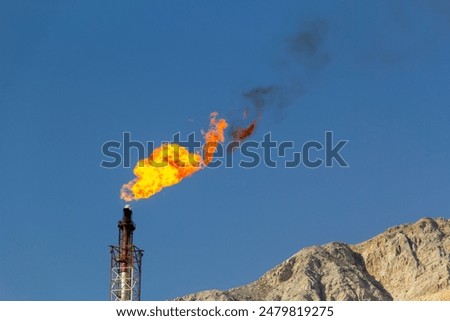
(406, 262)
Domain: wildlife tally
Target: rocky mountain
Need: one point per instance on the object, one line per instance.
(406, 262)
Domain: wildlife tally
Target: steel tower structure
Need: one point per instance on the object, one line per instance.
(126, 263)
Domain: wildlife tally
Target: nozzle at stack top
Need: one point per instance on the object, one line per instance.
(127, 224)
(127, 212)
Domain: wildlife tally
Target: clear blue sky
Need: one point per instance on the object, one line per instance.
(74, 75)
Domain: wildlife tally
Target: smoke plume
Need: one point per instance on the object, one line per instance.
(306, 46)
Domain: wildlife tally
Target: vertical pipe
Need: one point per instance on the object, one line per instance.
(126, 228)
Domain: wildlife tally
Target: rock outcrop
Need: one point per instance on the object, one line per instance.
(406, 262)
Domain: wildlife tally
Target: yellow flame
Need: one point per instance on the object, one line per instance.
(170, 163)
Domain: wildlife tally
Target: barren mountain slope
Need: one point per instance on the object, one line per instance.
(406, 262)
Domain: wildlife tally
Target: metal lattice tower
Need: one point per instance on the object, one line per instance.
(126, 263)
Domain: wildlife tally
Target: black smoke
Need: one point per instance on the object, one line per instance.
(307, 47)
(307, 44)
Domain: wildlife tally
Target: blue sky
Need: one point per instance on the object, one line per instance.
(74, 75)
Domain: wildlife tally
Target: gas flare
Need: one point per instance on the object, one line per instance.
(170, 163)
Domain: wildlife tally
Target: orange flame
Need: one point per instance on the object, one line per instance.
(240, 134)
(213, 137)
(170, 163)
